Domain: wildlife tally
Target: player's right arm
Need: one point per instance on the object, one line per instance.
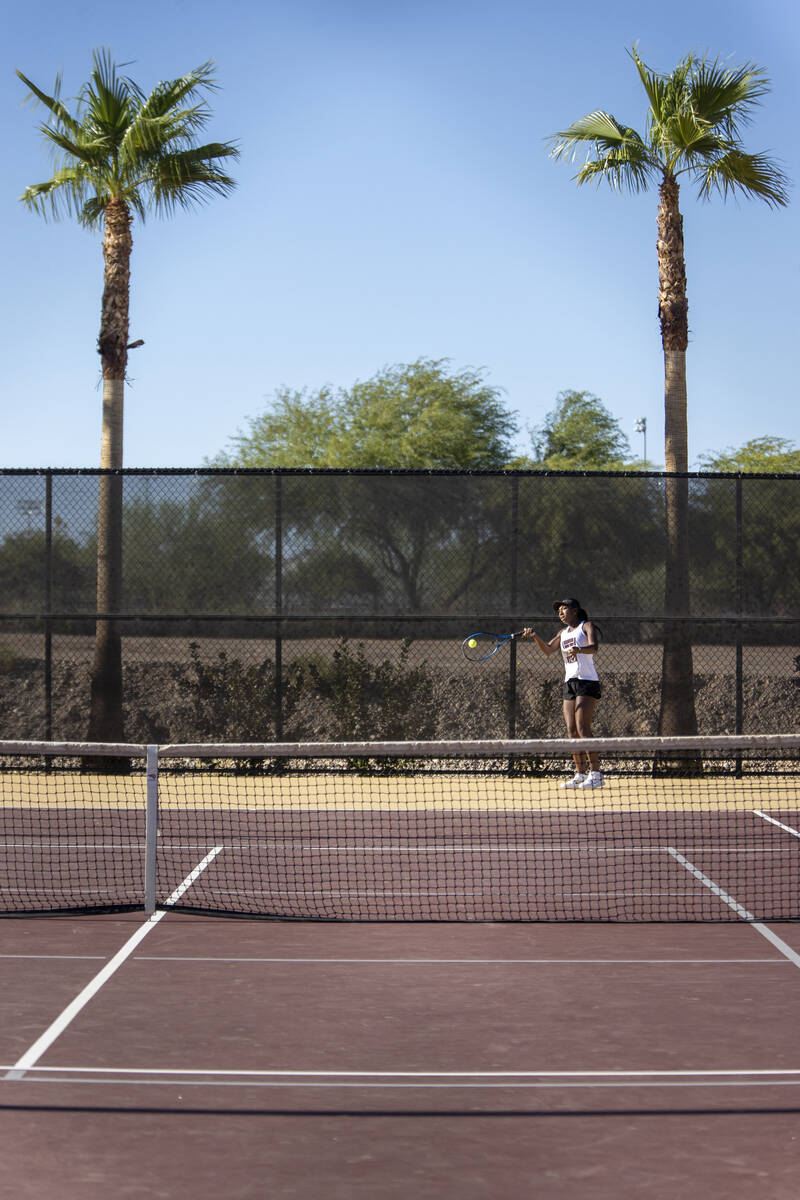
(551, 647)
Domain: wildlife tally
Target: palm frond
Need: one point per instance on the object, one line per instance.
(107, 102)
(750, 174)
(694, 152)
(63, 193)
(694, 120)
(59, 112)
(164, 122)
(90, 153)
(149, 162)
(164, 132)
(653, 83)
(682, 140)
(694, 124)
(191, 177)
(93, 212)
(122, 144)
(726, 96)
(622, 174)
(680, 130)
(597, 126)
(170, 94)
(164, 119)
(620, 155)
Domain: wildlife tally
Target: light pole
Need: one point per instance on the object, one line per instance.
(641, 427)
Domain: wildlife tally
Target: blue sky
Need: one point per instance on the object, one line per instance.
(396, 201)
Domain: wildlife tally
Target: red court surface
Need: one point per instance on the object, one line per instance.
(246, 1058)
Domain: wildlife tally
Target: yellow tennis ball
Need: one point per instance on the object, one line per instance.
(472, 643)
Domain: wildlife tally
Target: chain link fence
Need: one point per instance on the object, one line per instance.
(264, 605)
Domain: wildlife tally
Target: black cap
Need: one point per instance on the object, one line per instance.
(573, 603)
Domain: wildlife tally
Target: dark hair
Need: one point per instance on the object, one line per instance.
(582, 615)
(580, 612)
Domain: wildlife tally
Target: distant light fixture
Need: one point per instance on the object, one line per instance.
(641, 427)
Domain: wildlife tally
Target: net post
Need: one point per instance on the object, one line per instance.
(151, 830)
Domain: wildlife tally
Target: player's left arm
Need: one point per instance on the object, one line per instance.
(593, 644)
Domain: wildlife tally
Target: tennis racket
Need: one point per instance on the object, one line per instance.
(479, 646)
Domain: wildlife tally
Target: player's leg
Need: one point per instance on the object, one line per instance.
(580, 761)
(584, 712)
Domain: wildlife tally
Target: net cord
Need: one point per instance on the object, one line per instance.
(75, 749)
(544, 747)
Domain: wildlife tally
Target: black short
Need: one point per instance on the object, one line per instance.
(581, 687)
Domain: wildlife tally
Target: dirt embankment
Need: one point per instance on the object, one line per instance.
(168, 702)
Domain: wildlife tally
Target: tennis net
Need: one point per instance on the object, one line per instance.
(683, 829)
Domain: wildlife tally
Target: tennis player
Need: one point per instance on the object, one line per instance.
(578, 643)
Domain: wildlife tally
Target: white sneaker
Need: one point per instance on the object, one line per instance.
(578, 780)
(593, 779)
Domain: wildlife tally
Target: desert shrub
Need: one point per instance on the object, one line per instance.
(382, 701)
(349, 696)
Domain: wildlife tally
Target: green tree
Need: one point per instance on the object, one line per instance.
(392, 543)
(190, 553)
(24, 569)
(694, 122)
(398, 543)
(579, 434)
(419, 415)
(297, 429)
(762, 455)
(119, 154)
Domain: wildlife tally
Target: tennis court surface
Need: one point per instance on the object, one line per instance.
(509, 988)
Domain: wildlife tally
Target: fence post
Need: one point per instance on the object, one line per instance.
(278, 608)
(48, 605)
(513, 589)
(739, 606)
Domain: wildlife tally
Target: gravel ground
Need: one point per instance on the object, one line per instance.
(451, 698)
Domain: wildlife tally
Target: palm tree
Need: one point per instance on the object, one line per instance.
(695, 119)
(119, 155)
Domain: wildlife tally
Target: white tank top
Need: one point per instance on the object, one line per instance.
(583, 666)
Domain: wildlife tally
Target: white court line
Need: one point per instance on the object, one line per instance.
(48, 957)
(739, 909)
(747, 1073)
(73, 843)
(423, 1079)
(43, 1043)
(445, 962)
(340, 1085)
(787, 828)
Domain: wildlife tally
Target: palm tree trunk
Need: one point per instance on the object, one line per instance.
(677, 714)
(106, 722)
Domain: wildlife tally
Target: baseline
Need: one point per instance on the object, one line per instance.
(707, 1077)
